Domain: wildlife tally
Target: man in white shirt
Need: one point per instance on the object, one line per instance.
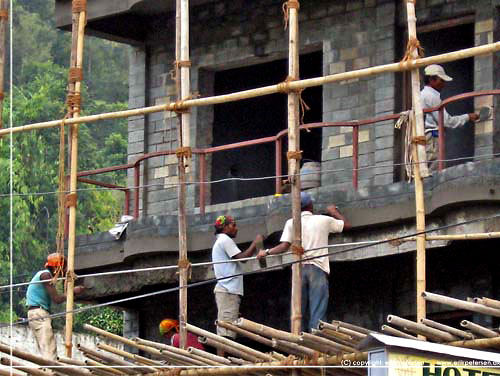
(315, 272)
(228, 291)
(435, 79)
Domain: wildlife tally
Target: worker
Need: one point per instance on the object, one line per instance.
(435, 80)
(169, 328)
(315, 272)
(229, 290)
(39, 299)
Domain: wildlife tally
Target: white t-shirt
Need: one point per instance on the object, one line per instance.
(224, 249)
(315, 231)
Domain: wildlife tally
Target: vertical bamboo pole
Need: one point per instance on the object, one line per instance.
(70, 283)
(293, 166)
(4, 20)
(182, 65)
(418, 155)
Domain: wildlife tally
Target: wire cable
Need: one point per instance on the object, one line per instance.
(261, 270)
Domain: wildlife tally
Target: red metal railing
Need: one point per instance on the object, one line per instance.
(278, 140)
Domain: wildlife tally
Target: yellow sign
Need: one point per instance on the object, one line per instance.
(412, 365)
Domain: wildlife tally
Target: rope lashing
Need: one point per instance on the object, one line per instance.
(75, 75)
(4, 14)
(294, 155)
(185, 264)
(79, 6)
(419, 140)
(73, 102)
(288, 361)
(297, 250)
(184, 151)
(177, 65)
(179, 107)
(287, 5)
(412, 46)
(70, 200)
(284, 87)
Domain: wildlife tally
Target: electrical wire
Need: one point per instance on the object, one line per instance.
(11, 201)
(261, 270)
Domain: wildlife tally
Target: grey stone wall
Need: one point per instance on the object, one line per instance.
(351, 35)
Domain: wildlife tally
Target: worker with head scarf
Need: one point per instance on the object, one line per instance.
(169, 329)
(229, 288)
(39, 298)
(435, 80)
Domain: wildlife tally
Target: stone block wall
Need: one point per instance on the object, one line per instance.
(351, 35)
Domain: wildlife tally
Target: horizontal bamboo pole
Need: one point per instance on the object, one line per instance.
(228, 349)
(417, 328)
(246, 349)
(446, 328)
(356, 328)
(492, 303)
(478, 329)
(42, 361)
(239, 361)
(71, 361)
(207, 355)
(474, 307)
(101, 368)
(267, 90)
(7, 371)
(246, 333)
(165, 349)
(473, 236)
(146, 364)
(481, 343)
(330, 335)
(293, 348)
(266, 331)
(336, 347)
(342, 329)
(7, 361)
(127, 367)
(398, 333)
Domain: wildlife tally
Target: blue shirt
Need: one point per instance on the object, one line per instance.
(37, 294)
(224, 249)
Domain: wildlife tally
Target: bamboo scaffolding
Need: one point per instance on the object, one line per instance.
(101, 368)
(147, 365)
(215, 337)
(337, 347)
(481, 343)
(266, 331)
(446, 328)
(161, 346)
(332, 336)
(4, 21)
(228, 349)
(474, 307)
(268, 90)
(419, 170)
(50, 364)
(351, 326)
(421, 329)
(293, 348)
(478, 329)
(246, 333)
(341, 329)
(398, 333)
(110, 360)
(9, 371)
(207, 355)
(8, 361)
(70, 282)
(492, 303)
(472, 236)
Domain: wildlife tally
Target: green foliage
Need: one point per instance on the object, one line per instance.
(105, 318)
(41, 56)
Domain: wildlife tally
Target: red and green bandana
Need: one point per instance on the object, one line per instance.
(223, 220)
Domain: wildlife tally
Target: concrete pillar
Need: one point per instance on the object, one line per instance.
(131, 327)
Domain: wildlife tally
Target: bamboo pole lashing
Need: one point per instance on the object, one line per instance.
(478, 329)
(398, 333)
(446, 328)
(474, 307)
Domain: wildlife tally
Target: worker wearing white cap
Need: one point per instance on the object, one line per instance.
(435, 79)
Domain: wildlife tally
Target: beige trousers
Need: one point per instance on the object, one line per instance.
(228, 309)
(42, 329)
(432, 150)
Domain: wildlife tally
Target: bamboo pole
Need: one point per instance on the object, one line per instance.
(228, 349)
(356, 328)
(293, 348)
(419, 169)
(145, 364)
(4, 21)
(398, 333)
(446, 328)
(102, 369)
(9, 371)
(422, 329)
(294, 166)
(246, 349)
(111, 360)
(474, 307)
(337, 347)
(481, 330)
(330, 335)
(167, 350)
(266, 331)
(482, 343)
(474, 236)
(207, 355)
(492, 303)
(70, 283)
(8, 361)
(246, 333)
(342, 329)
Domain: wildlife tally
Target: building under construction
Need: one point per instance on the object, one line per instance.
(352, 155)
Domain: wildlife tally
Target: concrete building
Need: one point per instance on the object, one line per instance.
(236, 45)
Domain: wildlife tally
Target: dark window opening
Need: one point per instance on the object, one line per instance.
(256, 118)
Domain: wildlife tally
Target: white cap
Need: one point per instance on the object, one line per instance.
(437, 70)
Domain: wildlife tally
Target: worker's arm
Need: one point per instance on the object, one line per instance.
(334, 212)
(280, 248)
(52, 291)
(250, 250)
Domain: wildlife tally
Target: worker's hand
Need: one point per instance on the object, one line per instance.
(473, 117)
(79, 289)
(262, 253)
(332, 210)
(259, 238)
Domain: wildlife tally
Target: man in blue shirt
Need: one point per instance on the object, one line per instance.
(228, 291)
(39, 298)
